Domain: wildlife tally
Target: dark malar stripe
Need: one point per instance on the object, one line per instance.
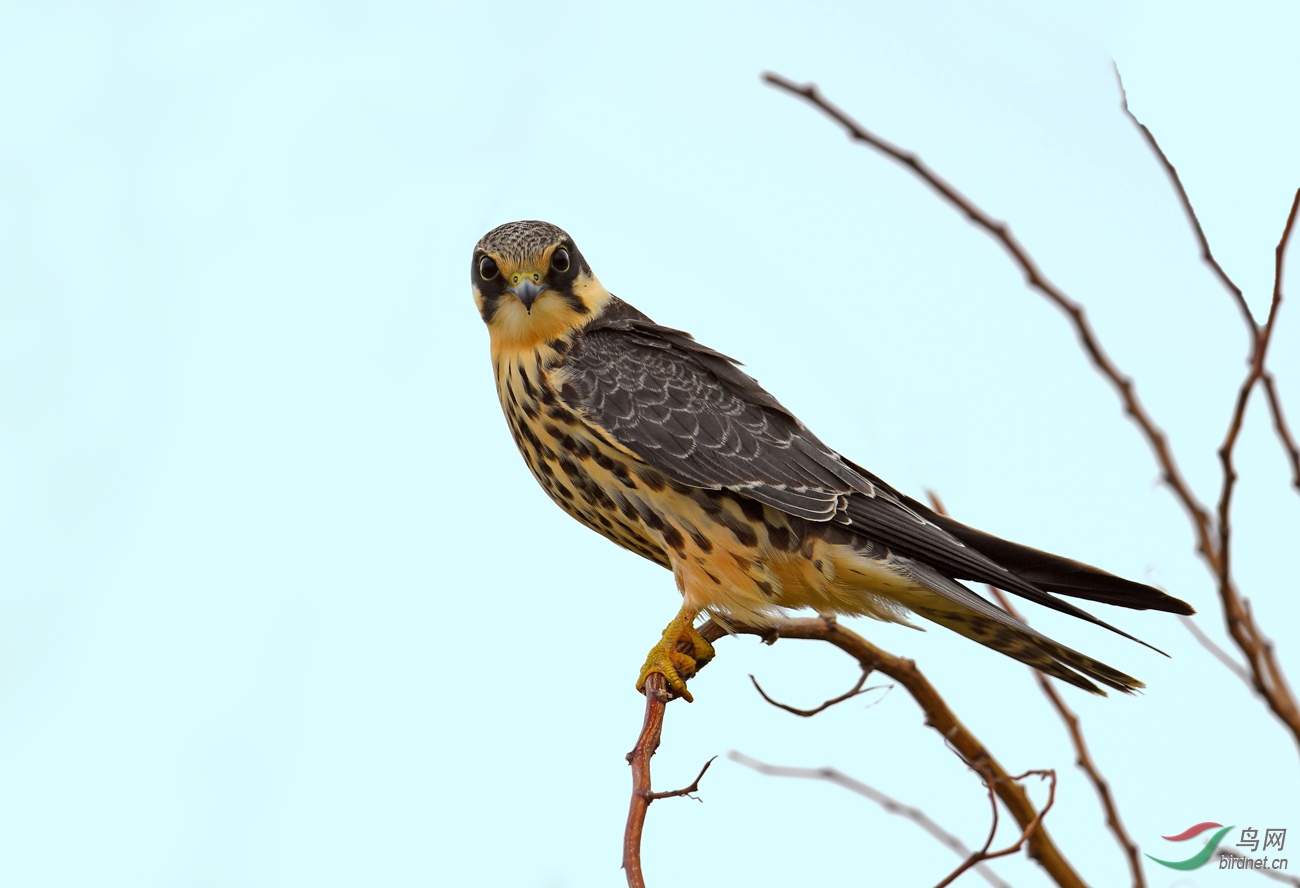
(578, 306)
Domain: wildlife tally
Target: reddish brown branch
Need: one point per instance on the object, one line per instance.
(1262, 338)
(1252, 326)
(657, 696)
(1207, 255)
(984, 853)
(1082, 757)
(1282, 429)
(686, 790)
(1084, 761)
(1266, 674)
(892, 805)
(937, 715)
(656, 701)
(809, 713)
(1171, 475)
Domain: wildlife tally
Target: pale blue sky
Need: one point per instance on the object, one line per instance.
(280, 603)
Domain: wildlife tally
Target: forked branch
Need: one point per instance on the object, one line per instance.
(984, 853)
(1283, 430)
(647, 743)
(892, 805)
(1267, 677)
(1172, 476)
(809, 713)
(938, 715)
(1082, 757)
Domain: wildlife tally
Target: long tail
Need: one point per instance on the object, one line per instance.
(1053, 573)
(949, 603)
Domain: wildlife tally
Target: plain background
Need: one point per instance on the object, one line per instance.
(280, 603)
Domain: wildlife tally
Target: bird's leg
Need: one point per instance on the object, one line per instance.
(670, 661)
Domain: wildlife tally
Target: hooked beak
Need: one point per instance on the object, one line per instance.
(526, 291)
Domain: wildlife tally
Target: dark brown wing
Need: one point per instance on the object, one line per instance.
(689, 412)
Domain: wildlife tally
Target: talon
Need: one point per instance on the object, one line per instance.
(702, 651)
(675, 665)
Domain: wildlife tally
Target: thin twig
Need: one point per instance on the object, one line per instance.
(893, 806)
(1171, 475)
(1238, 298)
(984, 853)
(1084, 761)
(1082, 757)
(937, 715)
(809, 713)
(686, 790)
(1192, 219)
(1266, 675)
(1217, 652)
(1282, 429)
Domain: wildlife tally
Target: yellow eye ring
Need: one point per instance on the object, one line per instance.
(560, 260)
(487, 268)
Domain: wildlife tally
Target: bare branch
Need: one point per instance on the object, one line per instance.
(984, 853)
(809, 713)
(1252, 326)
(647, 743)
(1266, 675)
(685, 791)
(656, 701)
(1084, 761)
(1083, 758)
(1282, 429)
(1206, 253)
(893, 806)
(1219, 653)
(937, 715)
(1171, 475)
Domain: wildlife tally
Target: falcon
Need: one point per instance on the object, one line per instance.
(669, 449)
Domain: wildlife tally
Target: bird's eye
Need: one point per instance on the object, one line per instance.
(487, 268)
(560, 259)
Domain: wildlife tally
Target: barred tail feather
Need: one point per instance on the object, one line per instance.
(950, 604)
(1033, 649)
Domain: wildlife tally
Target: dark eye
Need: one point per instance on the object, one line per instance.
(560, 259)
(487, 268)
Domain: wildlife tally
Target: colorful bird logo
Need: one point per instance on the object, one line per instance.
(1200, 857)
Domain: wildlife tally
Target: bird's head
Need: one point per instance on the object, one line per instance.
(532, 285)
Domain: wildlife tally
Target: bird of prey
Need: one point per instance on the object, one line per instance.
(669, 449)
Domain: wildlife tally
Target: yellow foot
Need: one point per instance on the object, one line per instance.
(668, 659)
